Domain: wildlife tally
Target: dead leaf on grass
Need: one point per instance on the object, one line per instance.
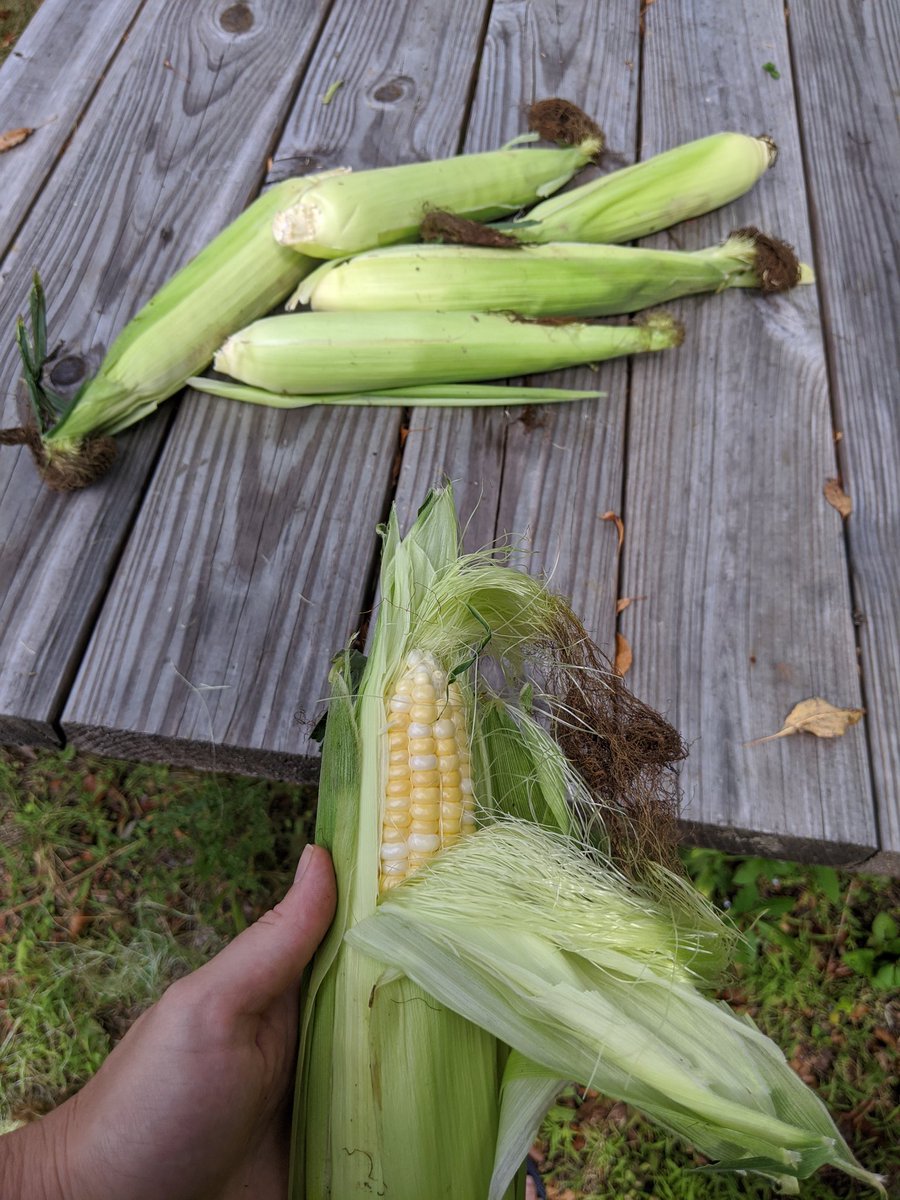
(837, 497)
(620, 525)
(815, 716)
(14, 137)
(624, 656)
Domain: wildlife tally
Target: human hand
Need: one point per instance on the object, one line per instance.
(194, 1102)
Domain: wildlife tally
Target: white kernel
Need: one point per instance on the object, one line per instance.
(419, 729)
(423, 762)
(424, 843)
(444, 728)
(393, 851)
(468, 821)
(466, 786)
(398, 756)
(401, 703)
(414, 658)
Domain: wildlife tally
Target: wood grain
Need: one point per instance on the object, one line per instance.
(165, 156)
(848, 67)
(748, 607)
(45, 85)
(252, 557)
(539, 478)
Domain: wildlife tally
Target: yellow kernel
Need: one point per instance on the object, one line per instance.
(445, 745)
(397, 787)
(396, 803)
(390, 881)
(444, 728)
(452, 795)
(425, 812)
(447, 763)
(397, 819)
(425, 778)
(424, 713)
(423, 694)
(450, 839)
(418, 827)
(392, 834)
(449, 825)
(450, 779)
(425, 795)
(395, 866)
(398, 771)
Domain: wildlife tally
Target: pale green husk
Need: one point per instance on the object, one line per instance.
(375, 208)
(337, 352)
(571, 279)
(674, 186)
(447, 395)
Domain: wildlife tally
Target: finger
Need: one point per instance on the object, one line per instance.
(267, 959)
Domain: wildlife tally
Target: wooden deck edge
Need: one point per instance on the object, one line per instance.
(196, 755)
(21, 731)
(778, 845)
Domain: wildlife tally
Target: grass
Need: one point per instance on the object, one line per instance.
(14, 16)
(117, 878)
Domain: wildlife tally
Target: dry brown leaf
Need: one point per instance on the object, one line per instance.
(620, 524)
(625, 602)
(14, 137)
(815, 716)
(624, 657)
(837, 497)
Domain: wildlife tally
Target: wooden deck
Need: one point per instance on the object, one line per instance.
(186, 608)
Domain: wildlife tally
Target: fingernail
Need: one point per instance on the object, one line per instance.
(303, 864)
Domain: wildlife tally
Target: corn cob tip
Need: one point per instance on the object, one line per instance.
(771, 147)
(441, 226)
(558, 120)
(663, 330)
(775, 262)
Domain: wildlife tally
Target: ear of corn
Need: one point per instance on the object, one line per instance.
(445, 395)
(355, 212)
(674, 186)
(336, 352)
(514, 934)
(240, 275)
(559, 279)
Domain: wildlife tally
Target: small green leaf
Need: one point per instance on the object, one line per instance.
(827, 880)
(887, 976)
(884, 929)
(860, 961)
(771, 69)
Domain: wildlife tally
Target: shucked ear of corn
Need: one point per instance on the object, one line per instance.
(487, 947)
(574, 279)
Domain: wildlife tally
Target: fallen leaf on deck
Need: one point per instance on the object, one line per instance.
(625, 602)
(620, 524)
(14, 137)
(624, 657)
(837, 497)
(815, 716)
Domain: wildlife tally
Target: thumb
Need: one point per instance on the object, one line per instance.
(266, 960)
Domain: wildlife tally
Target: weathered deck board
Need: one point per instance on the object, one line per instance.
(748, 608)
(165, 157)
(273, 530)
(541, 477)
(849, 62)
(45, 85)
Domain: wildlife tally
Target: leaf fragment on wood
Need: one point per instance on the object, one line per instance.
(14, 137)
(331, 91)
(620, 525)
(624, 656)
(626, 601)
(837, 497)
(815, 716)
